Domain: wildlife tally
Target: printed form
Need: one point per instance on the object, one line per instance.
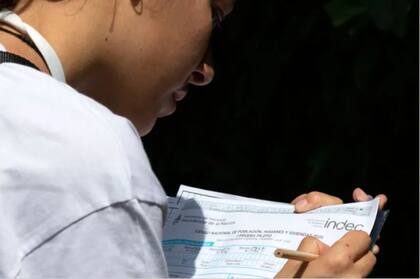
(216, 235)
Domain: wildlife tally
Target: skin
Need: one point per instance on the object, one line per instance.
(348, 257)
(139, 72)
(137, 57)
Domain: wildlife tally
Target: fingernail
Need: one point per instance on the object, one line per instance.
(300, 205)
(361, 195)
(363, 192)
(370, 197)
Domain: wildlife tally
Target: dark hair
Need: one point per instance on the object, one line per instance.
(7, 3)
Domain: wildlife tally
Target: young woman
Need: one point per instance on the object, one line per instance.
(77, 195)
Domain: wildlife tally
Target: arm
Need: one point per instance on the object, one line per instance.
(119, 241)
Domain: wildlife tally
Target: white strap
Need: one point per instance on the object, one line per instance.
(48, 53)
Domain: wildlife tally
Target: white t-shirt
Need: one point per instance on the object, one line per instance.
(78, 197)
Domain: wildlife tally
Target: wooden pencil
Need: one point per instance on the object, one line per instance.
(295, 255)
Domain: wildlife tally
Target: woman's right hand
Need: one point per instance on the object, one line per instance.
(348, 257)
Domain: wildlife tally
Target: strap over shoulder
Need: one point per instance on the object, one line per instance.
(48, 53)
(7, 57)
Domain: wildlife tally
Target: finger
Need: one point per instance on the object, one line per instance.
(308, 244)
(312, 245)
(315, 200)
(353, 245)
(364, 265)
(360, 195)
(293, 268)
(300, 197)
(375, 250)
(382, 200)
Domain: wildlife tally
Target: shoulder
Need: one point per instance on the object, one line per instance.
(45, 119)
(67, 156)
(78, 138)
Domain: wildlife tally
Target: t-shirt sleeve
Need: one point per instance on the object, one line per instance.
(119, 241)
(68, 168)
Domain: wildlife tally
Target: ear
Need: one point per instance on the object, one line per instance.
(137, 6)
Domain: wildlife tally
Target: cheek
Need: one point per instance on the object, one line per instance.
(187, 53)
(173, 64)
(163, 60)
(186, 40)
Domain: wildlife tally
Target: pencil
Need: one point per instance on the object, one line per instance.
(295, 255)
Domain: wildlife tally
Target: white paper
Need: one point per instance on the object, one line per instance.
(172, 208)
(215, 237)
(187, 192)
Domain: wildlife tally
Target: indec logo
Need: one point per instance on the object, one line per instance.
(345, 225)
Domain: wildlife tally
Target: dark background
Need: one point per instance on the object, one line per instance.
(309, 95)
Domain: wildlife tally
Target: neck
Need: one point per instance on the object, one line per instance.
(13, 42)
(76, 30)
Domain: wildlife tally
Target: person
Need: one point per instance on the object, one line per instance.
(78, 197)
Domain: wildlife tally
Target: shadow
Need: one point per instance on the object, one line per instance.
(184, 237)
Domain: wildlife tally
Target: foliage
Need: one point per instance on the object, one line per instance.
(386, 15)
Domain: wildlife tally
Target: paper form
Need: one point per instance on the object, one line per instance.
(223, 238)
(187, 192)
(172, 208)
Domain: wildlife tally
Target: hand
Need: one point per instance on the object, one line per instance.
(312, 200)
(360, 195)
(348, 257)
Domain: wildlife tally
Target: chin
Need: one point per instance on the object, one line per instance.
(146, 130)
(168, 109)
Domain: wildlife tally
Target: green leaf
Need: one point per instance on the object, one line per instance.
(341, 11)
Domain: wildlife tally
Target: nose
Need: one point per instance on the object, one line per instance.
(203, 74)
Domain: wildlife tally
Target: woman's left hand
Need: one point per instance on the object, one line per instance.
(312, 200)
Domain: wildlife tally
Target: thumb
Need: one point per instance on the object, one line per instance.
(295, 268)
(312, 245)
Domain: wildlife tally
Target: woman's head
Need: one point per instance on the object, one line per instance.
(135, 56)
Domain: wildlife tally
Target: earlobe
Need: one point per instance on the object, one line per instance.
(137, 6)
